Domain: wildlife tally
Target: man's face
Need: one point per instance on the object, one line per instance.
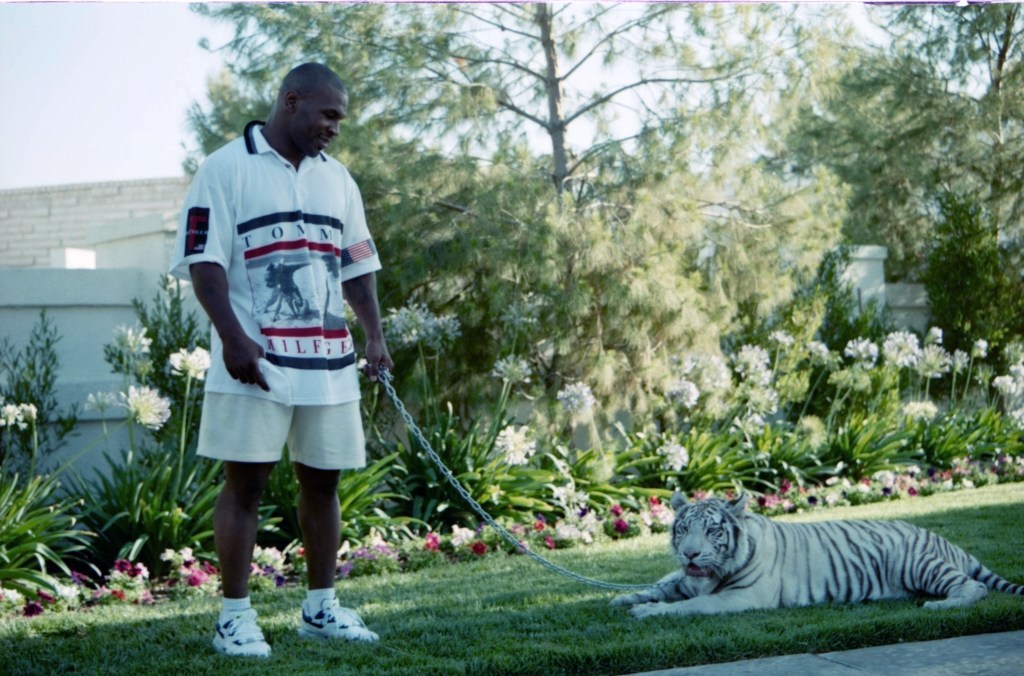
(315, 120)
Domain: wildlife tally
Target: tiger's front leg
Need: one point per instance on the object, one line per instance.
(711, 604)
(672, 587)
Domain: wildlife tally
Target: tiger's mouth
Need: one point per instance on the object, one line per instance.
(693, 570)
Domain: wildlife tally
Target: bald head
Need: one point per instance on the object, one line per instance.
(311, 78)
(311, 104)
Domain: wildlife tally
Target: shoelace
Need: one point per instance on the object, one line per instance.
(243, 628)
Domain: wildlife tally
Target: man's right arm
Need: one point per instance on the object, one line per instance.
(241, 353)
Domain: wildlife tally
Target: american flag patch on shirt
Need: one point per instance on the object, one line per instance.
(357, 252)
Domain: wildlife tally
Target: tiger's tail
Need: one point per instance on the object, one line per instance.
(994, 582)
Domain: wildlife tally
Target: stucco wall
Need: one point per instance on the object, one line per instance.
(85, 306)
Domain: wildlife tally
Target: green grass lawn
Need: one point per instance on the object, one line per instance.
(507, 615)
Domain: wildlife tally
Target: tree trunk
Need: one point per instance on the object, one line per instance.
(556, 125)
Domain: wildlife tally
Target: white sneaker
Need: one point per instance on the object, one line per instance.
(332, 621)
(240, 635)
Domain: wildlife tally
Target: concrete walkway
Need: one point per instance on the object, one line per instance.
(983, 655)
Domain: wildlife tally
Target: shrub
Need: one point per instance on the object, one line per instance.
(38, 533)
(29, 377)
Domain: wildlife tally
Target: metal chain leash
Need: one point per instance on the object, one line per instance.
(386, 380)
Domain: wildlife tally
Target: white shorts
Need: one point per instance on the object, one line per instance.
(238, 428)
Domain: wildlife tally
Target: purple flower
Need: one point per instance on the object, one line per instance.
(812, 501)
(32, 608)
(78, 579)
(345, 569)
(621, 526)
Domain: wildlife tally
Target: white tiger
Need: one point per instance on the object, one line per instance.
(732, 560)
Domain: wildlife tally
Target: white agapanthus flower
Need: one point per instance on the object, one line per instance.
(11, 416)
(29, 412)
(961, 360)
(192, 364)
(980, 349)
(934, 362)
(132, 340)
(676, 456)
(523, 313)
(515, 444)
(902, 349)
(684, 393)
(819, 353)
(512, 369)
(1004, 385)
(101, 402)
(934, 336)
(1017, 417)
(415, 324)
(146, 406)
(782, 339)
(863, 351)
(920, 410)
(762, 400)
(751, 425)
(577, 398)
(753, 363)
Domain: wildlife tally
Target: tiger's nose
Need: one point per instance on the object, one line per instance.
(691, 554)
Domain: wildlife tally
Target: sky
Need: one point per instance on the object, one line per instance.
(100, 91)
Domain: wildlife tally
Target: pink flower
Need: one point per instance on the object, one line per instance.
(912, 492)
(621, 526)
(479, 548)
(432, 542)
(549, 541)
(616, 510)
(197, 578)
(123, 566)
(44, 597)
(784, 487)
(146, 599)
(653, 500)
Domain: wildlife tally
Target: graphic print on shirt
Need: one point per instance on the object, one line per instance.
(294, 265)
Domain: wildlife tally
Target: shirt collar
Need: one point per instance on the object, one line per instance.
(256, 143)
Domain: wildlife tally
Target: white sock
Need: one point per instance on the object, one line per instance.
(316, 597)
(235, 606)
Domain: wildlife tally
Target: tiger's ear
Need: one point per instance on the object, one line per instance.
(738, 504)
(678, 501)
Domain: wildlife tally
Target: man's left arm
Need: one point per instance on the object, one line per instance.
(361, 295)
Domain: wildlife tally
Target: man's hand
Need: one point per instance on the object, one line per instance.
(242, 359)
(241, 353)
(376, 356)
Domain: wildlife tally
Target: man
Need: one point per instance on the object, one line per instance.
(273, 198)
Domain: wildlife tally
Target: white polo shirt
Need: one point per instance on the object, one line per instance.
(287, 240)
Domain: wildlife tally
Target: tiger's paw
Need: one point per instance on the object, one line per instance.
(647, 610)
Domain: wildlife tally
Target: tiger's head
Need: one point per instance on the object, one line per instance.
(707, 535)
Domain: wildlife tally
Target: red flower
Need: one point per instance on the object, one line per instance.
(209, 568)
(549, 541)
(621, 526)
(117, 594)
(911, 491)
(44, 597)
(479, 548)
(616, 510)
(539, 525)
(32, 608)
(653, 500)
(123, 566)
(784, 487)
(432, 542)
